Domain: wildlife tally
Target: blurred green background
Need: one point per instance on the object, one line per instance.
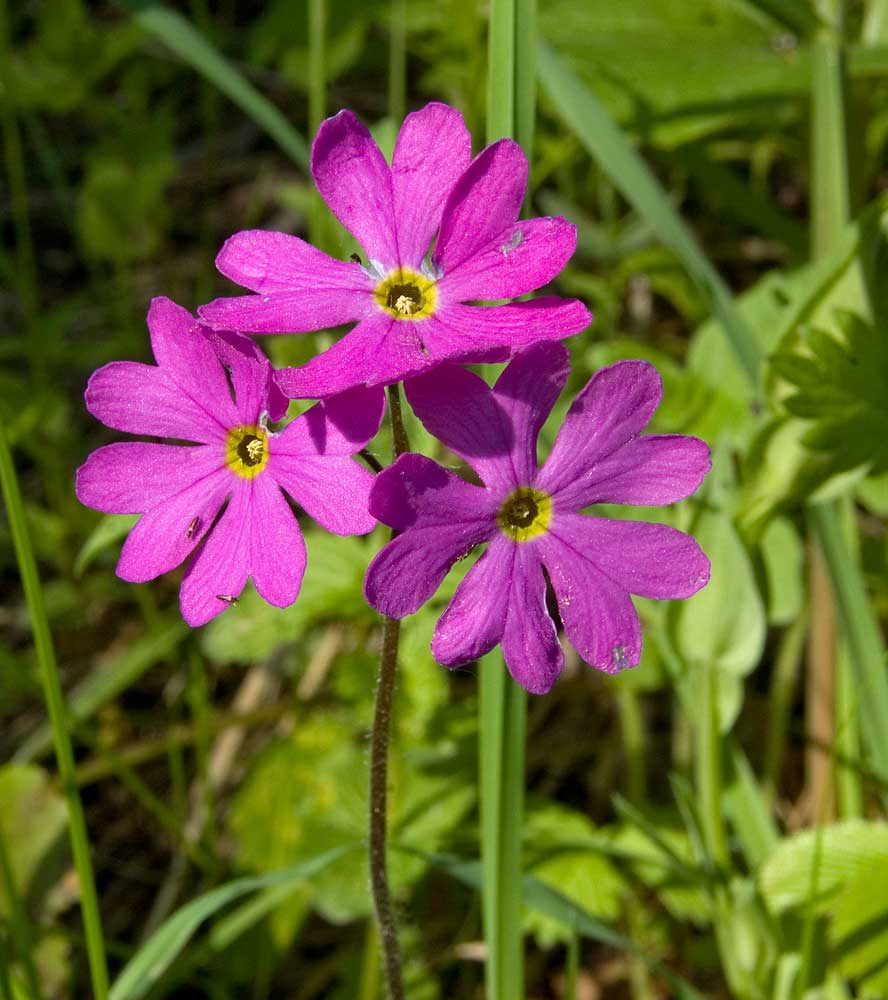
(721, 805)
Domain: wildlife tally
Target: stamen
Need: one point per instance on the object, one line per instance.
(526, 514)
(246, 450)
(407, 294)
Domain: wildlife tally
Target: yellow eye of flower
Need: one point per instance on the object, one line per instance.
(246, 451)
(526, 514)
(407, 294)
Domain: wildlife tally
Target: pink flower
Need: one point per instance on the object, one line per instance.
(180, 490)
(529, 515)
(411, 313)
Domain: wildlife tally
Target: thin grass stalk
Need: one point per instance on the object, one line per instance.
(780, 698)
(397, 71)
(572, 967)
(379, 744)
(830, 201)
(55, 704)
(5, 965)
(511, 102)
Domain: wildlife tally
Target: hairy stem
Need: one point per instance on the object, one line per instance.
(379, 743)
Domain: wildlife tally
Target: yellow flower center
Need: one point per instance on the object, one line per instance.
(407, 294)
(526, 514)
(246, 451)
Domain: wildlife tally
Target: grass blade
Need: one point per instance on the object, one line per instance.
(182, 38)
(55, 705)
(612, 151)
(161, 949)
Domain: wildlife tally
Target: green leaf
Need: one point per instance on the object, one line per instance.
(189, 44)
(784, 558)
(629, 173)
(858, 931)
(552, 904)
(585, 876)
(846, 848)
(110, 530)
(157, 954)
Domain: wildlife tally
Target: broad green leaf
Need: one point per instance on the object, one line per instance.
(150, 962)
(784, 557)
(669, 71)
(32, 818)
(252, 629)
(846, 848)
(585, 877)
(631, 175)
(722, 626)
(552, 904)
(858, 932)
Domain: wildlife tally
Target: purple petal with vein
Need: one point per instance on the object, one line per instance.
(527, 390)
(356, 182)
(457, 330)
(530, 643)
(459, 408)
(486, 199)
(131, 477)
(378, 351)
(340, 425)
(277, 550)
(615, 406)
(300, 288)
(220, 569)
(474, 620)
(186, 355)
(650, 470)
(651, 560)
(433, 149)
(598, 615)
(255, 390)
(143, 399)
(167, 533)
(333, 490)
(522, 258)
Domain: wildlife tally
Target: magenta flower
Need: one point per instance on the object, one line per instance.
(529, 515)
(411, 313)
(180, 490)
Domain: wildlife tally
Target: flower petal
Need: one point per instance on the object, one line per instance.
(277, 549)
(143, 399)
(446, 518)
(219, 571)
(598, 615)
(525, 256)
(530, 642)
(379, 351)
(184, 352)
(167, 533)
(614, 407)
(255, 390)
(486, 199)
(649, 470)
(459, 330)
(300, 288)
(460, 409)
(334, 490)
(474, 620)
(131, 477)
(356, 182)
(651, 560)
(340, 425)
(433, 149)
(527, 390)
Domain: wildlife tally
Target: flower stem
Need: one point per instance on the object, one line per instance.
(55, 703)
(379, 744)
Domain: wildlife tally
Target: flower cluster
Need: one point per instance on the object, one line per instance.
(441, 237)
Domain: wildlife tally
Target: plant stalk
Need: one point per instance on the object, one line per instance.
(55, 704)
(379, 744)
